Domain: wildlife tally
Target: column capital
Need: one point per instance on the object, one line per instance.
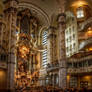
(61, 18)
(51, 31)
(11, 5)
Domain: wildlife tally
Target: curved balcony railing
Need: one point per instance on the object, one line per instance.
(85, 42)
(80, 70)
(51, 67)
(82, 25)
(80, 59)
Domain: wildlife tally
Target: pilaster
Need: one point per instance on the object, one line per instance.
(62, 54)
(10, 14)
(52, 53)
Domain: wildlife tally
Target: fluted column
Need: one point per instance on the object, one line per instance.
(10, 13)
(52, 52)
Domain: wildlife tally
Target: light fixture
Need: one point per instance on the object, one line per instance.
(89, 32)
(79, 3)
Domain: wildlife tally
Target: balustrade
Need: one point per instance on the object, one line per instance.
(80, 59)
(85, 42)
(52, 66)
(80, 70)
(82, 25)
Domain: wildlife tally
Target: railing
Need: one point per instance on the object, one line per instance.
(51, 67)
(80, 59)
(82, 25)
(84, 43)
(80, 70)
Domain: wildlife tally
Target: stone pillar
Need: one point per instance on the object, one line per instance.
(10, 14)
(62, 54)
(52, 52)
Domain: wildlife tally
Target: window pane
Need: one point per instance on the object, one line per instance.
(44, 53)
(80, 13)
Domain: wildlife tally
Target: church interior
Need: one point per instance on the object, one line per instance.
(45, 45)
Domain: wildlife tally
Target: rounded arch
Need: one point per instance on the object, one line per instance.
(44, 28)
(43, 35)
(36, 11)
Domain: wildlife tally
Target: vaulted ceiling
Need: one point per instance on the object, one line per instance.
(51, 7)
(46, 10)
(42, 8)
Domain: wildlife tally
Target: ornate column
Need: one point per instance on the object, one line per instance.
(62, 54)
(52, 52)
(2, 29)
(10, 14)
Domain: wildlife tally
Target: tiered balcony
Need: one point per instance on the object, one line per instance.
(81, 65)
(80, 70)
(85, 43)
(80, 59)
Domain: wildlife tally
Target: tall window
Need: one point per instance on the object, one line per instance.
(44, 54)
(80, 12)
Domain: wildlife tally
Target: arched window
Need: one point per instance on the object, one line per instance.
(80, 12)
(44, 53)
